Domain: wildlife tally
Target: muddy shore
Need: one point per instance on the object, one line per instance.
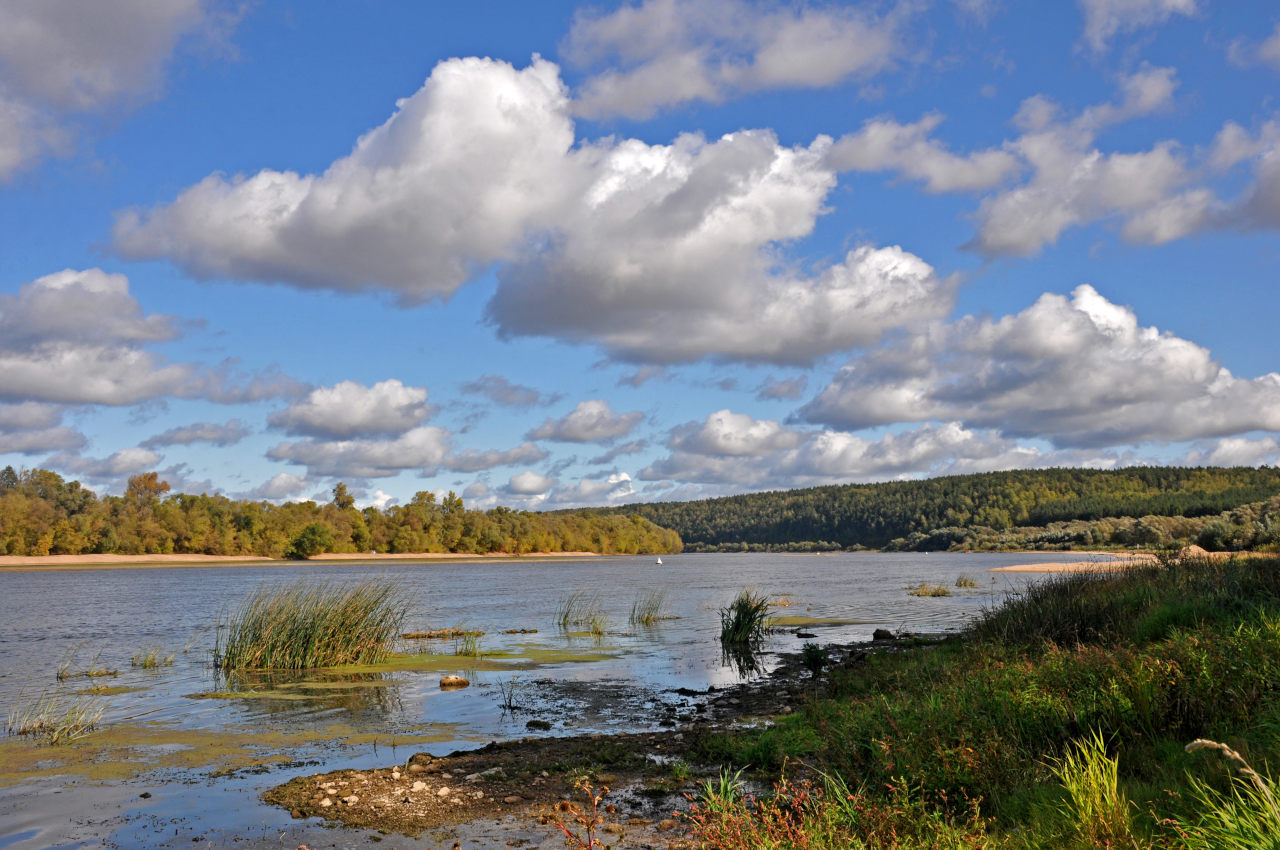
(538, 780)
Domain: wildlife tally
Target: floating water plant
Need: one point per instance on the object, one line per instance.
(745, 620)
(308, 624)
(966, 581)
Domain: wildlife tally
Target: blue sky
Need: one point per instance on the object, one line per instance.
(555, 254)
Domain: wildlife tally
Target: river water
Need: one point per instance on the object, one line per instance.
(203, 761)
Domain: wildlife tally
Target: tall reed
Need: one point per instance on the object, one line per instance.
(745, 620)
(307, 624)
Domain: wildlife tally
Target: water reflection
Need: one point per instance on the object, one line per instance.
(743, 658)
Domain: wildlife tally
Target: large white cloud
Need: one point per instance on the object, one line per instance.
(727, 433)
(1079, 372)
(349, 409)
(59, 58)
(661, 253)
(423, 448)
(451, 183)
(677, 51)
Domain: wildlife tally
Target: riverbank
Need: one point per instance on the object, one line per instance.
(16, 563)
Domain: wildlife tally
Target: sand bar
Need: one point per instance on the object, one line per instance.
(16, 563)
(1099, 562)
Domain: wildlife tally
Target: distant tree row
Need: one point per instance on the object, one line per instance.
(1048, 508)
(41, 514)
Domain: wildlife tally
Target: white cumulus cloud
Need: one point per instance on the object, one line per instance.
(592, 421)
(349, 409)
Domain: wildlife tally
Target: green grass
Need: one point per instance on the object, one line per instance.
(649, 607)
(745, 620)
(1062, 715)
(928, 589)
(966, 581)
(467, 643)
(305, 625)
(53, 718)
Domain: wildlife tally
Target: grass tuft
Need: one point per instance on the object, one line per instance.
(966, 581)
(928, 589)
(582, 608)
(306, 625)
(1096, 809)
(151, 658)
(54, 719)
(746, 620)
(649, 607)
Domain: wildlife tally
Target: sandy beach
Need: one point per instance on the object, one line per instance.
(1098, 563)
(13, 563)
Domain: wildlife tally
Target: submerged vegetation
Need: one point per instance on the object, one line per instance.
(42, 514)
(1060, 719)
(305, 625)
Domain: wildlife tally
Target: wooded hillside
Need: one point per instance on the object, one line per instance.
(1049, 508)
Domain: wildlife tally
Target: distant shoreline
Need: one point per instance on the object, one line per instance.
(38, 563)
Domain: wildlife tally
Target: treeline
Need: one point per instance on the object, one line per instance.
(1048, 508)
(42, 514)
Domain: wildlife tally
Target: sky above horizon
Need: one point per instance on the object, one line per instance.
(559, 254)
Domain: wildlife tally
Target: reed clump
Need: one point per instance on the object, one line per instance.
(746, 620)
(966, 581)
(54, 719)
(649, 607)
(928, 589)
(306, 625)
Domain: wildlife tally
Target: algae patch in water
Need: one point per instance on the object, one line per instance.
(790, 622)
(126, 750)
(519, 657)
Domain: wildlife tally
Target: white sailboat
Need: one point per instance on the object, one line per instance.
(659, 560)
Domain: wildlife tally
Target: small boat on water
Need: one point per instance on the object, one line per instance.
(659, 561)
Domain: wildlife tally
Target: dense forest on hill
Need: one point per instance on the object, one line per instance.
(1046, 509)
(41, 514)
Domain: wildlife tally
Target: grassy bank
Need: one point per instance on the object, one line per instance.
(1061, 719)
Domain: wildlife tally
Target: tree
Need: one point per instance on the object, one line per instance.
(342, 500)
(146, 486)
(312, 540)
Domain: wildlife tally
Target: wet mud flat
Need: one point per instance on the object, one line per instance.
(532, 785)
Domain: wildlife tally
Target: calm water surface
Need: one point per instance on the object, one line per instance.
(101, 618)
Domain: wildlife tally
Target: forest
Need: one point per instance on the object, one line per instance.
(1151, 507)
(42, 514)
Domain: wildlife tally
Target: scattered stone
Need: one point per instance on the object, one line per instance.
(613, 828)
(538, 725)
(473, 777)
(666, 825)
(416, 768)
(446, 775)
(800, 634)
(395, 774)
(882, 634)
(453, 682)
(419, 786)
(146, 795)
(352, 800)
(326, 803)
(514, 798)
(443, 792)
(297, 814)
